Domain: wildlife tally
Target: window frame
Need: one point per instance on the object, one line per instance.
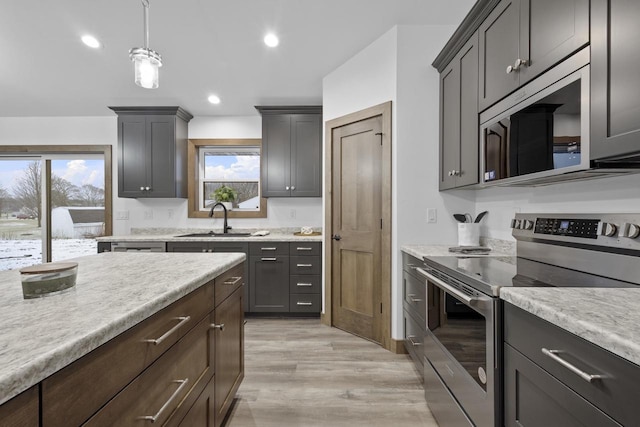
(193, 177)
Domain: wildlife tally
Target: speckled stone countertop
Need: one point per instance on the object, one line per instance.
(113, 292)
(172, 235)
(420, 251)
(608, 317)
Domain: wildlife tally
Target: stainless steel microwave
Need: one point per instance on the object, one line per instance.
(539, 132)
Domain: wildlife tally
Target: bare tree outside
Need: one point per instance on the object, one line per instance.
(27, 190)
(4, 197)
(90, 195)
(62, 192)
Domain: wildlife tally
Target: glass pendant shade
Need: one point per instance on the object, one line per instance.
(146, 64)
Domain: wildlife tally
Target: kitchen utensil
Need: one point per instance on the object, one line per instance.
(460, 217)
(480, 216)
(468, 217)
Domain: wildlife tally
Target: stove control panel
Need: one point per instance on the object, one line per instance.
(571, 227)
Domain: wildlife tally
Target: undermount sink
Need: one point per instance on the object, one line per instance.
(212, 234)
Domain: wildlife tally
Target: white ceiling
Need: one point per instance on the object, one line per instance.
(207, 46)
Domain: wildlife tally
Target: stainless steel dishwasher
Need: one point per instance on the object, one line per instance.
(138, 247)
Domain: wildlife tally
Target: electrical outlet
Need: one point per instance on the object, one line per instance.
(148, 214)
(292, 214)
(170, 213)
(122, 215)
(432, 215)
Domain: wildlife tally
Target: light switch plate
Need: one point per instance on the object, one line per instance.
(432, 215)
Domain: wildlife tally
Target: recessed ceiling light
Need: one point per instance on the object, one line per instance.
(214, 99)
(90, 41)
(271, 40)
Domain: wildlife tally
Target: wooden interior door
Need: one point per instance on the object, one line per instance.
(357, 228)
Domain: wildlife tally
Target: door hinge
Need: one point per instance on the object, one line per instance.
(380, 308)
(380, 133)
(380, 223)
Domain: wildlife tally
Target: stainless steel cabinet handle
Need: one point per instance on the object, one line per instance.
(453, 291)
(510, 69)
(293, 187)
(304, 265)
(182, 321)
(304, 249)
(413, 343)
(214, 326)
(268, 259)
(519, 64)
(412, 298)
(204, 250)
(267, 249)
(183, 383)
(286, 188)
(304, 285)
(141, 188)
(232, 280)
(304, 303)
(147, 188)
(553, 354)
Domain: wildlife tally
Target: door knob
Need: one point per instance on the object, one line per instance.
(336, 237)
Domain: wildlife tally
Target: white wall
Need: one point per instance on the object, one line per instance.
(160, 213)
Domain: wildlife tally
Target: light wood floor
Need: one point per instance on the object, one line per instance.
(301, 373)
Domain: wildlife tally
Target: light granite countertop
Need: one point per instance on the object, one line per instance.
(113, 292)
(173, 236)
(420, 251)
(609, 318)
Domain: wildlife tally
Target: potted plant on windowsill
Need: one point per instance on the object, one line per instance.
(225, 195)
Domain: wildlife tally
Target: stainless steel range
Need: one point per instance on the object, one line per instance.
(463, 346)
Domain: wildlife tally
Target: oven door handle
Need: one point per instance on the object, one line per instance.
(453, 291)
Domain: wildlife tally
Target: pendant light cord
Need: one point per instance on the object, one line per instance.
(145, 11)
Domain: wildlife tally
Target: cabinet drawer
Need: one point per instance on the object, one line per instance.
(169, 387)
(269, 248)
(409, 264)
(305, 303)
(202, 412)
(228, 282)
(71, 396)
(415, 299)
(22, 410)
(414, 333)
(305, 265)
(615, 394)
(309, 284)
(305, 248)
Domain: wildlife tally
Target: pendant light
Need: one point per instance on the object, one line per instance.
(146, 61)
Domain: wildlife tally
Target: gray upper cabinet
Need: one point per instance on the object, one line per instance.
(459, 118)
(152, 151)
(291, 151)
(615, 78)
(520, 39)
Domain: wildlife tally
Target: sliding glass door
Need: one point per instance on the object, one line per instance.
(52, 207)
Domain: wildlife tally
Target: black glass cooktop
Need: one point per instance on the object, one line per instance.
(489, 274)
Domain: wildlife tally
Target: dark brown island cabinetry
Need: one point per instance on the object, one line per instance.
(520, 39)
(180, 367)
(552, 377)
(459, 118)
(22, 410)
(291, 158)
(615, 78)
(152, 151)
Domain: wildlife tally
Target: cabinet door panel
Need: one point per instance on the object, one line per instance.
(535, 398)
(269, 284)
(243, 248)
(615, 79)
(449, 125)
(132, 159)
(550, 30)
(306, 175)
(161, 140)
(499, 47)
(22, 410)
(187, 246)
(229, 349)
(469, 125)
(275, 157)
(202, 412)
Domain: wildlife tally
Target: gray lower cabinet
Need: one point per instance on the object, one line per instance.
(615, 80)
(291, 159)
(459, 119)
(541, 390)
(269, 283)
(520, 39)
(414, 309)
(152, 152)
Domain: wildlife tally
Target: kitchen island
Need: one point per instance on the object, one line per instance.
(116, 294)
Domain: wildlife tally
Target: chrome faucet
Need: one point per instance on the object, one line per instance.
(225, 227)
